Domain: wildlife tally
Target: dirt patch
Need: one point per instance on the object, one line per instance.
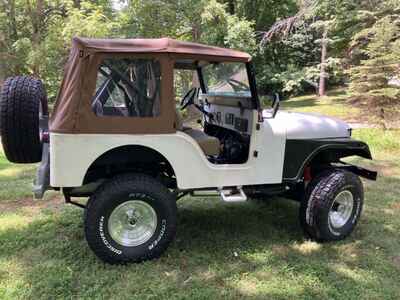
(396, 262)
(386, 169)
(54, 203)
(395, 206)
(377, 111)
(280, 250)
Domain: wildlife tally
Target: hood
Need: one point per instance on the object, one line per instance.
(312, 126)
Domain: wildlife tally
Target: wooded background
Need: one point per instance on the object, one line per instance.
(299, 46)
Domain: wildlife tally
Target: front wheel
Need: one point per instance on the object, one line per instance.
(332, 205)
(131, 218)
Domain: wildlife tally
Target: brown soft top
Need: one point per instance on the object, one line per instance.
(73, 112)
(161, 45)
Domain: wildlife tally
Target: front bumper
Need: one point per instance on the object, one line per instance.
(362, 172)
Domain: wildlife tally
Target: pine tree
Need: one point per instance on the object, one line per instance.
(379, 62)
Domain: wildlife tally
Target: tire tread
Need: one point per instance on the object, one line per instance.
(318, 197)
(19, 118)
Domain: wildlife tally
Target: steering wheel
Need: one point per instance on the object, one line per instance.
(189, 98)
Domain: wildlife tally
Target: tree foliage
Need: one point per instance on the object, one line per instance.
(379, 54)
(37, 34)
(360, 37)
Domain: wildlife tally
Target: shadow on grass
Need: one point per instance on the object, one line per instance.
(338, 96)
(337, 92)
(254, 250)
(299, 103)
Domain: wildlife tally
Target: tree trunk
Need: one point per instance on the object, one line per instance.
(77, 4)
(231, 7)
(323, 75)
(13, 22)
(8, 38)
(2, 72)
(37, 22)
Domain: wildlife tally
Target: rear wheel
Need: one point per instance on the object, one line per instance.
(130, 219)
(23, 103)
(332, 205)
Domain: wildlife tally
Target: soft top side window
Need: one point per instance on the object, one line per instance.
(128, 87)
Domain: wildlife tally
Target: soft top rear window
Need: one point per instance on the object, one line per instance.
(128, 87)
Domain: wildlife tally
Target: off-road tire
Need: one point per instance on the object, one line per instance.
(317, 202)
(20, 100)
(117, 191)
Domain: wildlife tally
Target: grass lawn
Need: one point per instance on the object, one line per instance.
(222, 251)
(338, 103)
(334, 104)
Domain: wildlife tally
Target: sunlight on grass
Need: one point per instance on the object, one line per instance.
(15, 171)
(332, 105)
(354, 274)
(15, 179)
(13, 221)
(307, 247)
(379, 140)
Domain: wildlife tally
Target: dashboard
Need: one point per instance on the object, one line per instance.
(234, 118)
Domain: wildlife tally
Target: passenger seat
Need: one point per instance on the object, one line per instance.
(209, 144)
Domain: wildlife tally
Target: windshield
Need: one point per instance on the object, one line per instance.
(227, 79)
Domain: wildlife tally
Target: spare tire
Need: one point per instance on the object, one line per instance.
(23, 102)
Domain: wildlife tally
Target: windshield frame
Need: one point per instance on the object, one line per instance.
(252, 84)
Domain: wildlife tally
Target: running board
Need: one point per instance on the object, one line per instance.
(232, 195)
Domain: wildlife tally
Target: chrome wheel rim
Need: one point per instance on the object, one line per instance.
(341, 209)
(40, 125)
(132, 223)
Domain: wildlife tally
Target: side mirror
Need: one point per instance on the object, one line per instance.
(275, 105)
(271, 113)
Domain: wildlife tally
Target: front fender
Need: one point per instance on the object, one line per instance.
(300, 153)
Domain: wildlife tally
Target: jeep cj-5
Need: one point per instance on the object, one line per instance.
(116, 136)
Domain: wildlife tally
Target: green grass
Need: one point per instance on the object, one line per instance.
(15, 180)
(254, 250)
(334, 104)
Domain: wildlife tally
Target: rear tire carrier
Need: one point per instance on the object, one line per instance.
(23, 105)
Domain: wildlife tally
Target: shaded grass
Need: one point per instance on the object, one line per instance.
(222, 251)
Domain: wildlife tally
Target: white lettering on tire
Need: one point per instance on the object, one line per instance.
(103, 238)
(162, 231)
(358, 211)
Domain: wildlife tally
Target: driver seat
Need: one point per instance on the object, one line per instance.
(209, 144)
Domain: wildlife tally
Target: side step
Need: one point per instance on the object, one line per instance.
(233, 195)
